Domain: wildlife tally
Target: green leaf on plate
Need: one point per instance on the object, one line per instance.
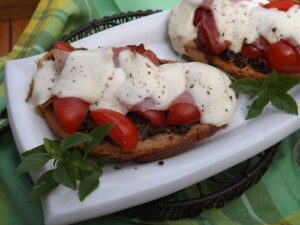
(53, 148)
(257, 107)
(32, 161)
(71, 167)
(271, 80)
(102, 161)
(246, 85)
(273, 88)
(64, 175)
(81, 163)
(88, 184)
(285, 83)
(97, 134)
(74, 140)
(285, 102)
(37, 149)
(43, 186)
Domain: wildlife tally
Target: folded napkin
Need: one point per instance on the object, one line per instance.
(275, 199)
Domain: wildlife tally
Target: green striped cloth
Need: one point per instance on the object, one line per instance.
(274, 200)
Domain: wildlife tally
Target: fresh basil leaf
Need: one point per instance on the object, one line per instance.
(246, 85)
(77, 156)
(285, 102)
(37, 149)
(102, 161)
(270, 81)
(257, 107)
(88, 184)
(43, 186)
(98, 134)
(74, 140)
(32, 161)
(53, 148)
(285, 83)
(64, 175)
(81, 163)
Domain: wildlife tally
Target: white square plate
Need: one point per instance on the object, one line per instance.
(130, 186)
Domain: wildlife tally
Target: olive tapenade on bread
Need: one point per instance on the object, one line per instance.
(158, 108)
(244, 38)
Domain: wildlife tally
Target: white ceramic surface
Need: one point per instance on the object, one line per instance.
(136, 184)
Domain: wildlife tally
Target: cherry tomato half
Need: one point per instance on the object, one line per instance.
(70, 112)
(281, 5)
(123, 133)
(157, 118)
(280, 56)
(283, 57)
(60, 45)
(251, 51)
(182, 114)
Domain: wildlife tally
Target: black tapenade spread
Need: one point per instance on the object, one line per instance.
(260, 65)
(144, 127)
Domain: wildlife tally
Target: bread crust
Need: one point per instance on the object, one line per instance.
(197, 54)
(157, 147)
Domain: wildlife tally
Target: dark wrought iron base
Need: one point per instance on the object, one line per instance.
(224, 187)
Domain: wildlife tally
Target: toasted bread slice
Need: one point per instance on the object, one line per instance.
(197, 54)
(157, 147)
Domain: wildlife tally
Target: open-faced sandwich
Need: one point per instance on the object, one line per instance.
(159, 108)
(245, 38)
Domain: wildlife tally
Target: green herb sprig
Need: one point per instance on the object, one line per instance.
(71, 167)
(272, 89)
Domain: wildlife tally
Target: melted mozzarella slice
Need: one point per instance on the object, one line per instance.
(93, 77)
(43, 81)
(85, 75)
(142, 79)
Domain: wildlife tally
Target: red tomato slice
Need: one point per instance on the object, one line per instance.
(70, 112)
(182, 114)
(208, 33)
(60, 45)
(123, 133)
(283, 57)
(252, 52)
(281, 5)
(157, 118)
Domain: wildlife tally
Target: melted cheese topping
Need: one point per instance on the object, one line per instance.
(42, 83)
(181, 29)
(237, 22)
(93, 77)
